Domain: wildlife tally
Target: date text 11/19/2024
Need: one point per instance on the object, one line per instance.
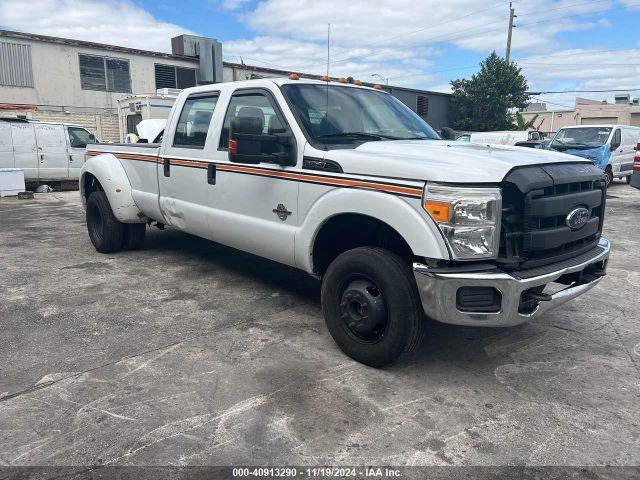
(338, 472)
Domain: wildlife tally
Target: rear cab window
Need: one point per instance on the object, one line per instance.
(195, 118)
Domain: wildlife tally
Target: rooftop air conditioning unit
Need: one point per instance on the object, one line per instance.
(622, 99)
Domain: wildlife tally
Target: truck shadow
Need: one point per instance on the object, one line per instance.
(206, 257)
(444, 343)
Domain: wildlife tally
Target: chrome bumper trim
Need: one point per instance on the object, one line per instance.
(438, 292)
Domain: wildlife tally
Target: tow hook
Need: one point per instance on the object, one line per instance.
(541, 297)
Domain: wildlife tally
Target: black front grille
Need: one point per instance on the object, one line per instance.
(536, 203)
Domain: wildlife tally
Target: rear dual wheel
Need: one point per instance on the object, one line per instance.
(106, 232)
(371, 306)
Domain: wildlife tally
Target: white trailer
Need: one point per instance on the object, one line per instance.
(133, 109)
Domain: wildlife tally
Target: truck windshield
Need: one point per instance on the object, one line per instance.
(335, 114)
(580, 138)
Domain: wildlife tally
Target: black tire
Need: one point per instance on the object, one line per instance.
(105, 231)
(133, 238)
(608, 173)
(628, 179)
(391, 278)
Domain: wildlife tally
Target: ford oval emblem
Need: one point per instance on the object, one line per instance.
(578, 218)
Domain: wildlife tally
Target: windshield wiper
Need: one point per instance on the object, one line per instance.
(372, 136)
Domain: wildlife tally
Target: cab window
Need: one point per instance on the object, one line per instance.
(193, 124)
(256, 105)
(79, 137)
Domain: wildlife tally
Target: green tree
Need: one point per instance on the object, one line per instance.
(521, 124)
(483, 103)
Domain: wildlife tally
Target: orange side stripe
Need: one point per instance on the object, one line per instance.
(271, 173)
(330, 180)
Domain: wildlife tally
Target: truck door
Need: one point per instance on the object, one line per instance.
(25, 149)
(6, 146)
(78, 138)
(256, 206)
(52, 151)
(185, 193)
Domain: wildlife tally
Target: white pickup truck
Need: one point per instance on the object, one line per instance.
(349, 185)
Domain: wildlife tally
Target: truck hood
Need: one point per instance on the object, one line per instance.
(441, 161)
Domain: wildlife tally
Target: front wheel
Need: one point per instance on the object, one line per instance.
(371, 306)
(105, 230)
(608, 173)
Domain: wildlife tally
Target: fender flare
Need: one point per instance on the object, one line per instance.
(418, 230)
(108, 170)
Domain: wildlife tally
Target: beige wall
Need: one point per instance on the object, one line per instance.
(586, 115)
(56, 76)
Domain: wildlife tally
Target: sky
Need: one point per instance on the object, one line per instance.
(559, 44)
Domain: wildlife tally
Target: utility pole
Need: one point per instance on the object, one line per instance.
(512, 15)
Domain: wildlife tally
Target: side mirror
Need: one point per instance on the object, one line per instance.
(447, 133)
(614, 146)
(77, 144)
(247, 143)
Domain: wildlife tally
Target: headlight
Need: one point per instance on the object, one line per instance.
(468, 217)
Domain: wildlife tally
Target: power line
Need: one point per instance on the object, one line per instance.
(455, 37)
(413, 32)
(611, 90)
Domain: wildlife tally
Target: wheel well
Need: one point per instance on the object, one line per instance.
(91, 184)
(346, 231)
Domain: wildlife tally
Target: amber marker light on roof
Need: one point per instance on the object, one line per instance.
(358, 82)
(294, 76)
(377, 86)
(325, 78)
(342, 80)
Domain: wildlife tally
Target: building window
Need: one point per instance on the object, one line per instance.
(15, 65)
(422, 106)
(170, 76)
(104, 74)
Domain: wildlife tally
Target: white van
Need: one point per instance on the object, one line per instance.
(44, 151)
(507, 137)
(610, 147)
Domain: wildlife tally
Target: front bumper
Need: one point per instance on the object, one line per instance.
(439, 288)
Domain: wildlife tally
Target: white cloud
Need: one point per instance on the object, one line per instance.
(583, 69)
(402, 40)
(112, 22)
(233, 4)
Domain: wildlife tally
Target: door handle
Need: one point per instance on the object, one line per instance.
(211, 174)
(71, 158)
(167, 166)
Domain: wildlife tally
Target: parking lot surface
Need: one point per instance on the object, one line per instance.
(192, 353)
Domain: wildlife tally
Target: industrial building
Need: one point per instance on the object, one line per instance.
(624, 111)
(72, 81)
